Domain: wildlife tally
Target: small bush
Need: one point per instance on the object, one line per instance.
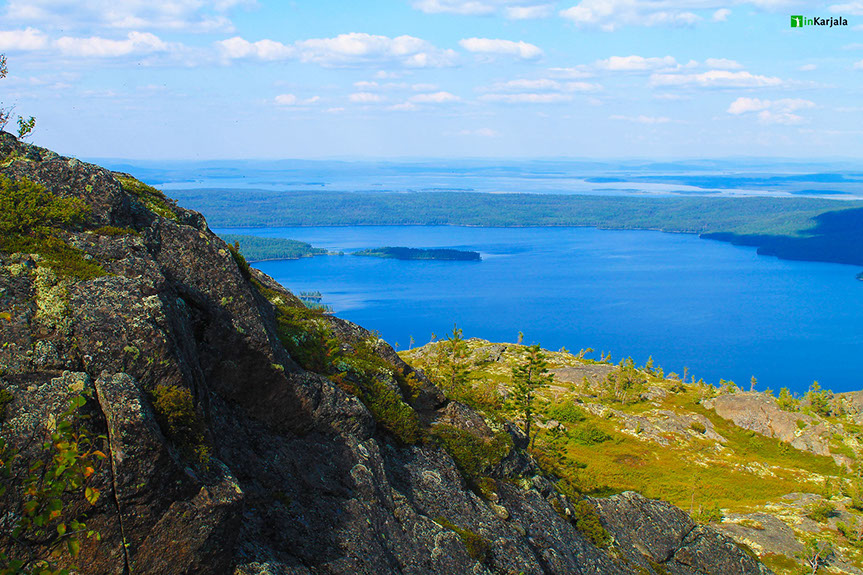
(566, 411)
(587, 522)
(820, 511)
(472, 454)
(242, 264)
(589, 435)
(698, 427)
(478, 547)
(705, 515)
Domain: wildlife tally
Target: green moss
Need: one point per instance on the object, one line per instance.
(477, 546)
(780, 564)
(30, 218)
(180, 422)
(5, 399)
(153, 199)
(112, 231)
(472, 453)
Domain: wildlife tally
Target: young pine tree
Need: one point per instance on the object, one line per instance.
(527, 379)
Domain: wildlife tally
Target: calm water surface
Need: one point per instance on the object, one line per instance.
(721, 310)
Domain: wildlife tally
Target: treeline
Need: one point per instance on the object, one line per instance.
(791, 228)
(401, 253)
(256, 249)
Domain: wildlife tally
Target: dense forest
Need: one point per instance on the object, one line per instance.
(256, 249)
(401, 253)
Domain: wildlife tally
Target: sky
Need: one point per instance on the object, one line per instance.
(249, 79)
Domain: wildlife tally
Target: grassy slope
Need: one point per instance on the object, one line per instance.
(747, 474)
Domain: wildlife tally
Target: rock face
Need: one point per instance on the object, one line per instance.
(292, 473)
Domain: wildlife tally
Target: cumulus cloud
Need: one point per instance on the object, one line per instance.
(186, 15)
(366, 98)
(22, 40)
(771, 111)
(237, 47)
(723, 64)
(97, 47)
(528, 98)
(345, 50)
(641, 119)
(716, 79)
(807, 67)
(542, 85)
(521, 50)
(434, 98)
(721, 15)
(512, 9)
(611, 14)
(635, 63)
(290, 100)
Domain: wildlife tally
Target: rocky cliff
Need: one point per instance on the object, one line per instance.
(245, 434)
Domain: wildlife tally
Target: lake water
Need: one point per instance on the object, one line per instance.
(720, 310)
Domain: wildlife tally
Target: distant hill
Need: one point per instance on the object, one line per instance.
(257, 249)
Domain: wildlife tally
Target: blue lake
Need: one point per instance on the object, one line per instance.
(721, 310)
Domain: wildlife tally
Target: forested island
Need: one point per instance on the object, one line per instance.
(257, 249)
(401, 253)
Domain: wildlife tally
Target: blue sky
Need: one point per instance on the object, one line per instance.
(199, 79)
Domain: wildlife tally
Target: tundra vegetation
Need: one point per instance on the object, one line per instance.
(602, 428)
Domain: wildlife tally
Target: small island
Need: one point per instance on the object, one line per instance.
(860, 276)
(400, 253)
(257, 249)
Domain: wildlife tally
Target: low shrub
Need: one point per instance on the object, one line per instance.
(477, 546)
(180, 422)
(588, 435)
(587, 521)
(472, 453)
(566, 411)
(820, 511)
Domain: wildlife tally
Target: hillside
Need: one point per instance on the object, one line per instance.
(167, 409)
(774, 473)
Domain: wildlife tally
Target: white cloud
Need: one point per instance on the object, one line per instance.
(723, 64)
(852, 8)
(529, 12)
(716, 79)
(542, 85)
(434, 98)
(521, 50)
(237, 47)
(642, 119)
(635, 63)
(289, 100)
(186, 15)
(366, 98)
(357, 49)
(858, 65)
(22, 40)
(528, 98)
(345, 50)
(807, 67)
(721, 15)
(97, 47)
(481, 132)
(512, 9)
(611, 14)
(574, 72)
(771, 111)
